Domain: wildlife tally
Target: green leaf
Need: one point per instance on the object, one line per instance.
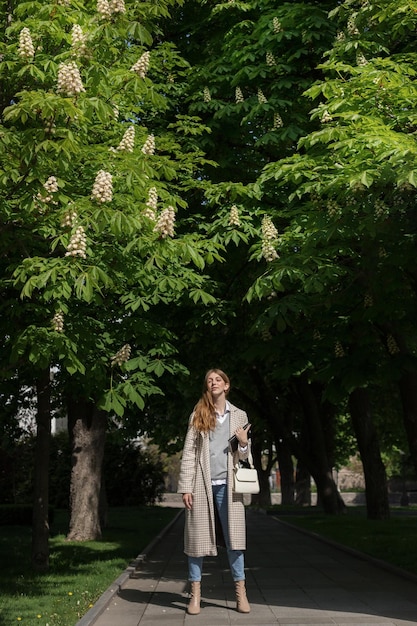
(366, 179)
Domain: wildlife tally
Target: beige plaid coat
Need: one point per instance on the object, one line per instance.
(200, 533)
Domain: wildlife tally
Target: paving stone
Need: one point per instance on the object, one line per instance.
(293, 579)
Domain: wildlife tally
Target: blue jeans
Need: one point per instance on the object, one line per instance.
(236, 557)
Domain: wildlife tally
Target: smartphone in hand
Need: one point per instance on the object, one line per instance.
(233, 441)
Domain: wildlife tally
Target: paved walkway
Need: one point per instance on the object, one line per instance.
(293, 578)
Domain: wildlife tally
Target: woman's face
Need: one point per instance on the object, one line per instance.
(216, 385)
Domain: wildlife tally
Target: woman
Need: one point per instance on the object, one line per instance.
(206, 484)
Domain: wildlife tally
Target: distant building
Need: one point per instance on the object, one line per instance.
(59, 425)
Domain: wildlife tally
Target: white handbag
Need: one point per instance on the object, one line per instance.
(245, 479)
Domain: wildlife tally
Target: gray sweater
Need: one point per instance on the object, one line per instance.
(219, 446)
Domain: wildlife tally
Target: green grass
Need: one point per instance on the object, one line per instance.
(79, 572)
(388, 540)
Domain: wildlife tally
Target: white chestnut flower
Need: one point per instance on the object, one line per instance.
(269, 239)
(103, 8)
(381, 210)
(326, 117)
(368, 300)
(149, 145)
(151, 204)
(128, 140)
(103, 187)
(261, 97)
(51, 185)
(392, 345)
(234, 216)
(276, 25)
(206, 94)
(117, 6)
(270, 59)
(278, 123)
(78, 41)
(361, 59)
(239, 95)
(333, 209)
(58, 322)
(50, 126)
(165, 223)
(121, 356)
(69, 80)
(152, 198)
(142, 65)
(69, 219)
(78, 244)
(150, 214)
(351, 26)
(26, 47)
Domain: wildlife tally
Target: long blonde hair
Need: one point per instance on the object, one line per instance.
(204, 411)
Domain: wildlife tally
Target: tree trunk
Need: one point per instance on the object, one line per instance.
(87, 431)
(314, 452)
(303, 486)
(375, 477)
(103, 506)
(280, 429)
(263, 498)
(286, 470)
(408, 391)
(40, 527)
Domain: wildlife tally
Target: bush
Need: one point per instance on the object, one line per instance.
(16, 468)
(20, 515)
(17, 465)
(132, 475)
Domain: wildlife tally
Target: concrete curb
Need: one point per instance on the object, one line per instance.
(360, 555)
(104, 600)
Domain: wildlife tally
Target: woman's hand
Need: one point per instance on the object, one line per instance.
(242, 435)
(187, 499)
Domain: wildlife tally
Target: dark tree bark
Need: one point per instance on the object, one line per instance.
(103, 504)
(374, 471)
(278, 426)
(286, 469)
(263, 498)
(328, 413)
(313, 451)
(408, 391)
(40, 527)
(303, 486)
(87, 431)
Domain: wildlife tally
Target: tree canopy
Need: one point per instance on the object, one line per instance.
(187, 185)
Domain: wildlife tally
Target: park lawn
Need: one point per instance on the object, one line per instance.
(79, 572)
(390, 540)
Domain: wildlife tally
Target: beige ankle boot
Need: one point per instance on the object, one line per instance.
(242, 604)
(193, 607)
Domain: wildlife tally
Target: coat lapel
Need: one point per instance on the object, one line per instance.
(234, 420)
